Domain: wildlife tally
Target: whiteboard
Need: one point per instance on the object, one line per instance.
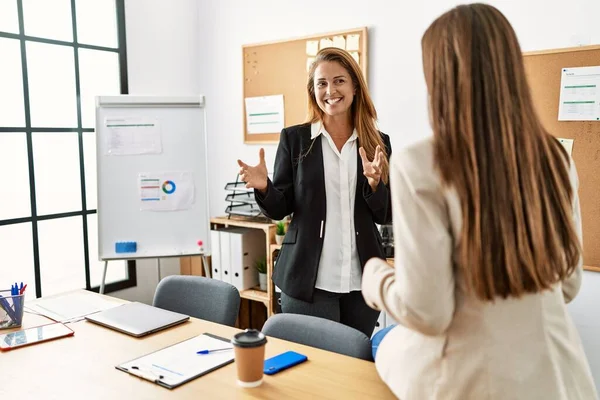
(126, 158)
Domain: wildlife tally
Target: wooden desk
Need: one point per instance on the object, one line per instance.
(83, 367)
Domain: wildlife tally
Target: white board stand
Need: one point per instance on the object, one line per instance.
(124, 159)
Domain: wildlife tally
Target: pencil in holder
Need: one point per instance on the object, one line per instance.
(11, 309)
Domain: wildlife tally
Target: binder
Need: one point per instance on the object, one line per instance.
(216, 255)
(177, 364)
(225, 255)
(246, 247)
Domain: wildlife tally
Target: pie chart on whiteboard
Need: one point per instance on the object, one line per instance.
(169, 187)
(166, 191)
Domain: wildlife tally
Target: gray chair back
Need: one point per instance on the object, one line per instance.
(321, 333)
(199, 297)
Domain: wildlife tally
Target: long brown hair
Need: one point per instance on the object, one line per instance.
(363, 111)
(510, 174)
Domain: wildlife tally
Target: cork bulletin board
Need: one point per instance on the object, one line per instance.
(544, 75)
(281, 69)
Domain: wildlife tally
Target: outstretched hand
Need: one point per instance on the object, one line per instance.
(372, 169)
(255, 177)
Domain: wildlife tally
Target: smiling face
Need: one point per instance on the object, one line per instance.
(334, 90)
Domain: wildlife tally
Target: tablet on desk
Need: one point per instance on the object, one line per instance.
(39, 334)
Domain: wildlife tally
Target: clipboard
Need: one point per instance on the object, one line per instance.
(179, 363)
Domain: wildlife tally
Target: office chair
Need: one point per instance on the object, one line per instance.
(321, 333)
(199, 297)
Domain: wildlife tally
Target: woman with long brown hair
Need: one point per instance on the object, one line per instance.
(488, 233)
(332, 174)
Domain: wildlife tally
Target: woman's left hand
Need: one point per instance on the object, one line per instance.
(372, 169)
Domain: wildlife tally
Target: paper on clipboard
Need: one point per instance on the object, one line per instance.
(177, 364)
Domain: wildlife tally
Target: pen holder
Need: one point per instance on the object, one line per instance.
(11, 310)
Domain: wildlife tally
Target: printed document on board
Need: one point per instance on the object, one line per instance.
(129, 136)
(579, 94)
(264, 114)
(166, 191)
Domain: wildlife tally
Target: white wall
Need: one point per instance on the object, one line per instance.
(162, 47)
(162, 57)
(395, 77)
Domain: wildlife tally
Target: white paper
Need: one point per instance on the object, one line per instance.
(264, 114)
(353, 42)
(567, 144)
(325, 43)
(127, 136)
(166, 191)
(70, 306)
(309, 62)
(579, 94)
(180, 362)
(312, 47)
(339, 42)
(356, 57)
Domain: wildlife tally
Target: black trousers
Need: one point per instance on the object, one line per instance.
(347, 308)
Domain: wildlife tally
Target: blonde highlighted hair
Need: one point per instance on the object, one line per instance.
(364, 115)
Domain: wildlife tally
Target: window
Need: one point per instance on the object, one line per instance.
(57, 55)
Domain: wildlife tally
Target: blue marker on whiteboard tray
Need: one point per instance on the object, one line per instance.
(125, 247)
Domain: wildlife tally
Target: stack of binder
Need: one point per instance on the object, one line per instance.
(234, 255)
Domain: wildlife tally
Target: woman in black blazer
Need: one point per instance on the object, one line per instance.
(332, 174)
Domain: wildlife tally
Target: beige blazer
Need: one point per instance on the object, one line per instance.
(449, 345)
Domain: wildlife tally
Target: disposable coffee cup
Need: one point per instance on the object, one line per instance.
(249, 351)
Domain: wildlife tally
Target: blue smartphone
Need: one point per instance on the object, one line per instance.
(283, 361)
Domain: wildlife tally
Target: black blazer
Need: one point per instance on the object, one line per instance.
(298, 187)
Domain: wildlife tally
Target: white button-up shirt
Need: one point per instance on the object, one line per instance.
(339, 266)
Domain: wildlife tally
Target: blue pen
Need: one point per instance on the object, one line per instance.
(16, 300)
(213, 350)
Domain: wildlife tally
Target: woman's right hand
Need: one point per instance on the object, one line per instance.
(255, 177)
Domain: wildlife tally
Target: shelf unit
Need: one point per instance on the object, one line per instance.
(255, 294)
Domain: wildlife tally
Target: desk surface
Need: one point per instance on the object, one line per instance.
(83, 366)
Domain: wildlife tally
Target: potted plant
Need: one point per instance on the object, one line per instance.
(280, 232)
(261, 267)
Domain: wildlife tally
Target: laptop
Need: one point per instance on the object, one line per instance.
(137, 319)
